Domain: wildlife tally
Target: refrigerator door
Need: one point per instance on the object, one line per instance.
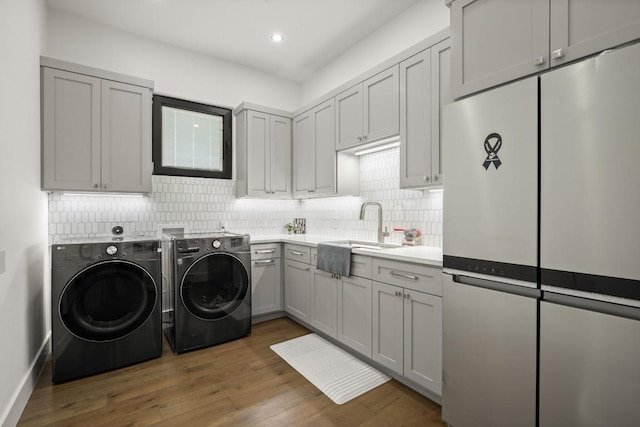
(490, 158)
(489, 353)
(589, 374)
(590, 172)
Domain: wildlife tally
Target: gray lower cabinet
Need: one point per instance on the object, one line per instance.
(341, 307)
(263, 147)
(407, 321)
(324, 302)
(425, 82)
(266, 279)
(496, 41)
(297, 281)
(96, 131)
(354, 313)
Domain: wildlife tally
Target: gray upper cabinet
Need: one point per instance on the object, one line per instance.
(263, 147)
(425, 81)
(314, 167)
(496, 41)
(580, 28)
(317, 169)
(368, 111)
(96, 131)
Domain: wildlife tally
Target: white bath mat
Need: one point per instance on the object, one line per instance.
(332, 370)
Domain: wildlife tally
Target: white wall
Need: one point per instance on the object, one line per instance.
(24, 288)
(176, 72)
(417, 23)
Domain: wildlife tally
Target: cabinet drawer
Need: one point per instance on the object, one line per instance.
(411, 276)
(265, 251)
(361, 266)
(298, 253)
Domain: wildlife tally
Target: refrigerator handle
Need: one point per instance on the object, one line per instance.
(603, 307)
(497, 286)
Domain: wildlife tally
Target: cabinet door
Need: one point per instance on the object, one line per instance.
(126, 137)
(324, 166)
(495, 41)
(415, 123)
(324, 302)
(71, 131)
(354, 313)
(388, 318)
(265, 286)
(303, 155)
(580, 28)
(297, 288)
(348, 106)
(258, 134)
(280, 154)
(381, 118)
(440, 96)
(423, 339)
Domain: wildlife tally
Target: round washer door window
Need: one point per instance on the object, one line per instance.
(214, 286)
(107, 301)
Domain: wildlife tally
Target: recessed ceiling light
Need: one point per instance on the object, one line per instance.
(276, 37)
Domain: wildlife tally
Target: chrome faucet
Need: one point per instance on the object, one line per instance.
(381, 234)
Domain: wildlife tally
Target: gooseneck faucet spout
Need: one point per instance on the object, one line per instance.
(381, 234)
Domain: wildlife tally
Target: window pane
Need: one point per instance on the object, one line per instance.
(191, 140)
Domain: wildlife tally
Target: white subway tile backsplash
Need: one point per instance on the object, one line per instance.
(207, 204)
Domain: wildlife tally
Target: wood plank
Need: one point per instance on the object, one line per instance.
(242, 382)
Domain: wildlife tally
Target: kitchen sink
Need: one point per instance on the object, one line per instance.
(358, 244)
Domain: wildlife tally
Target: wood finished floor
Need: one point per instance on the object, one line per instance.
(240, 383)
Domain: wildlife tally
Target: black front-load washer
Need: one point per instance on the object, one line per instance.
(105, 306)
(208, 295)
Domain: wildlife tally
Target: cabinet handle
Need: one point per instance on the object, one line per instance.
(311, 191)
(264, 251)
(539, 60)
(406, 276)
(398, 293)
(296, 253)
(263, 262)
(557, 54)
(360, 138)
(436, 177)
(407, 296)
(96, 185)
(298, 268)
(364, 137)
(105, 186)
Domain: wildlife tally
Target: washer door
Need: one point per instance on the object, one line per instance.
(107, 301)
(214, 286)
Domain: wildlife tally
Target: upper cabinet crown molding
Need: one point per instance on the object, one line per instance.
(494, 41)
(96, 129)
(94, 72)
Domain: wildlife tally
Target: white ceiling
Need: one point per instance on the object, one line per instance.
(315, 31)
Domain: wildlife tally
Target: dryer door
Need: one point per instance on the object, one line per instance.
(214, 286)
(107, 301)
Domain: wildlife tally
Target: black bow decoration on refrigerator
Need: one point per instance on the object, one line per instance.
(492, 152)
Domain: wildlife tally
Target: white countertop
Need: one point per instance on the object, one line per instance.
(418, 254)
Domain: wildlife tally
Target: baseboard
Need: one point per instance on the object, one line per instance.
(20, 398)
(267, 316)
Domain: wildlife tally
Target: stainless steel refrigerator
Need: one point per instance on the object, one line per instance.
(542, 249)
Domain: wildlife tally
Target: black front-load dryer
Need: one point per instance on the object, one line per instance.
(105, 306)
(208, 300)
